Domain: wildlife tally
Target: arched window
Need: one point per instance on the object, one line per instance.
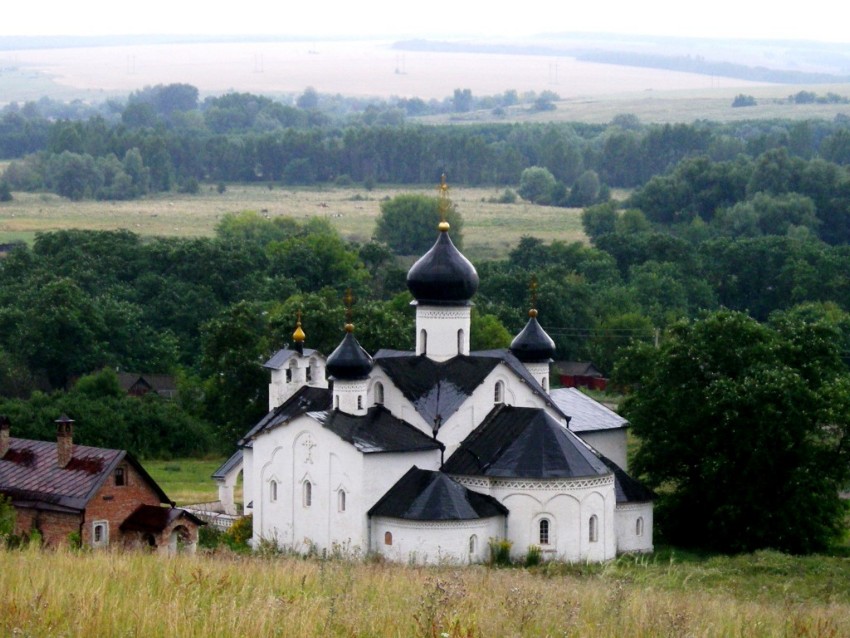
(593, 529)
(543, 536)
(340, 500)
(292, 366)
(639, 526)
(460, 341)
(473, 544)
(336, 402)
(272, 491)
(379, 394)
(499, 392)
(423, 341)
(545, 383)
(308, 493)
(388, 538)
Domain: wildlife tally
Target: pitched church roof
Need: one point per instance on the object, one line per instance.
(523, 443)
(423, 495)
(627, 489)
(306, 399)
(439, 388)
(376, 431)
(588, 415)
(279, 358)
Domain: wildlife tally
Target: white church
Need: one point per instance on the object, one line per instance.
(426, 456)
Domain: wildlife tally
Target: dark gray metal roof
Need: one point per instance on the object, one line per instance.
(423, 495)
(533, 344)
(349, 361)
(523, 443)
(29, 473)
(228, 465)
(586, 414)
(306, 399)
(628, 490)
(376, 431)
(280, 358)
(440, 388)
(443, 276)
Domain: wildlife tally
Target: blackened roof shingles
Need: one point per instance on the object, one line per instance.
(423, 495)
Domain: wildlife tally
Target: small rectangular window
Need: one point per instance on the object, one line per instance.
(100, 534)
(120, 477)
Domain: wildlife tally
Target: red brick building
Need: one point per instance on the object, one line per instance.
(105, 496)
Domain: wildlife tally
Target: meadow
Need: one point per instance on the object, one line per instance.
(490, 229)
(226, 594)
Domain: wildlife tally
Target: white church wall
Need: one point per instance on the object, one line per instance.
(248, 477)
(442, 332)
(315, 517)
(611, 443)
(382, 471)
(634, 526)
(567, 505)
(514, 392)
(435, 542)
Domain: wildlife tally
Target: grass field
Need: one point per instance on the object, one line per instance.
(186, 481)
(223, 594)
(490, 230)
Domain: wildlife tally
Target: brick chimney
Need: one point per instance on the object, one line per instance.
(64, 440)
(5, 425)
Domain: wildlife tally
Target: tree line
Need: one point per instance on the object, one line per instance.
(164, 138)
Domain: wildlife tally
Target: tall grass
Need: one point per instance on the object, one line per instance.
(50, 593)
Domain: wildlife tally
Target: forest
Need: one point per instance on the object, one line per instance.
(751, 217)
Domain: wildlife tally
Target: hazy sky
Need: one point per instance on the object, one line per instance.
(813, 19)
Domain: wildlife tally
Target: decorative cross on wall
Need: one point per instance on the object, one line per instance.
(309, 444)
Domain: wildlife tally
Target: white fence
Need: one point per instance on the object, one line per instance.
(213, 515)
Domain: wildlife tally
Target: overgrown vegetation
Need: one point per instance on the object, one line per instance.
(225, 594)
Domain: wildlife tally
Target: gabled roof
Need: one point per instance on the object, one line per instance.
(578, 368)
(151, 518)
(586, 414)
(376, 431)
(165, 384)
(306, 399)
(234, 461)
(439, 388)
(279, 358)
(524, 443)
(423, 495)
(30, 474)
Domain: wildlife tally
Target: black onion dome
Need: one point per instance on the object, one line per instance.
(533, 344)
(443, 276)
(349, 361)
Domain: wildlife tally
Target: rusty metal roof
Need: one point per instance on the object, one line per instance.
(29, 472)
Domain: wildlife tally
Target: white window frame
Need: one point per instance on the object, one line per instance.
(104, 540)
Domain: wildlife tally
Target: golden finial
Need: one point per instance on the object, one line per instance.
(298, 336)
(348, 299)
(444, 204)
(533, 287)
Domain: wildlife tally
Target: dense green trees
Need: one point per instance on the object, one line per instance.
(744, 431)
(245, 137)
(408, 223)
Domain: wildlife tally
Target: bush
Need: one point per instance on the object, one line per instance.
(240, 533)
(500, 552)
(534, 556)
